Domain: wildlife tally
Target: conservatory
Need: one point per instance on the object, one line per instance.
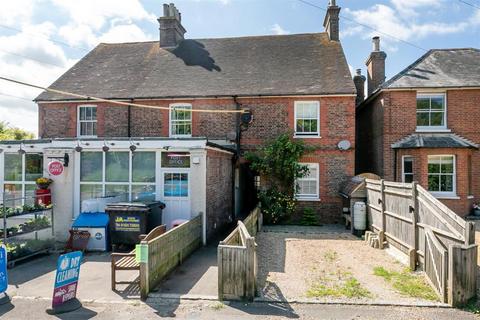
(174, 171)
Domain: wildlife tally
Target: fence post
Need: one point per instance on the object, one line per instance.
(462, 274)
(469, 233)
(414, 211)
(144, 276)
(381, 234)
(220, 270)
(250, 268)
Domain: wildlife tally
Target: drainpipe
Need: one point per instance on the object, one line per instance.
(237, 126)
(237, 155)
(129, 115)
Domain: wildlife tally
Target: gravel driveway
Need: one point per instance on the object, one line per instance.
(292, 260)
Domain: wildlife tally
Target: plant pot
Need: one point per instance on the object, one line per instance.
(43, 197)
(476, 212)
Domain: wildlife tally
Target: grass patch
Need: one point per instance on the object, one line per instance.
(407, 283)
(350, 288)
(330, 256)
(472, 306)
(217, 306)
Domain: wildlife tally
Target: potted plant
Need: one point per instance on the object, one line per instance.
(43, 183)
(476, 209)
(42, 194)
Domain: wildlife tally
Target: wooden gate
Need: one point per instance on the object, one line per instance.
(436, 264)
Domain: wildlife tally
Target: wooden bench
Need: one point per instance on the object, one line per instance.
(127, 261)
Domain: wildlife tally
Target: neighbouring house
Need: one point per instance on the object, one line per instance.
(188, 159)
(422, 124)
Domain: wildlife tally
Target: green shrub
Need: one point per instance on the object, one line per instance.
(309, 217)
(276, 205)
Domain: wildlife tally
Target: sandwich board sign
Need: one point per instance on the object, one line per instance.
(3, 269)
(66, 278)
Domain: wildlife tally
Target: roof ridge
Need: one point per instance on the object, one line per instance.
(222, 38)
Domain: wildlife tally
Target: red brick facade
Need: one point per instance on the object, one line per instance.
(272, 116)
(391, 116)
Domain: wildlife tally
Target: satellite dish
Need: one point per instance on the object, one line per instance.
(344, 145)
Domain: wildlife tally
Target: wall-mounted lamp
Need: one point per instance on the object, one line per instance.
(78, 148)
(21, 151)
(133, 147)
(105, 148)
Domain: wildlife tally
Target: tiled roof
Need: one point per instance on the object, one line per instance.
(301, 64)
(440, 68)
(434, 140)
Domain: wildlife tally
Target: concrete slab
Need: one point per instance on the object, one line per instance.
(197, 276)
(36, 279)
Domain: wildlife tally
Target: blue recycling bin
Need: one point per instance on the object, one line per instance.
(97, 225)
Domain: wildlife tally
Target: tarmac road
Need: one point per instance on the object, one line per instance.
(31, 308)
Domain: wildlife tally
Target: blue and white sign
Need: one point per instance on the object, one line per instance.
(3, 269)
(66, 279)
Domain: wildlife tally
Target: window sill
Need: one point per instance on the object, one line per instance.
(427, 130)
(296, 136)
(445, 196)
(471, 197)
(308, 199)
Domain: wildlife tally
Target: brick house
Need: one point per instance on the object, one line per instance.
(422, 125)
(289, 83)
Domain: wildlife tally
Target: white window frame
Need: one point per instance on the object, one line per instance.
(104, 183)
(171, 121)
(79, 121)
(433, 128)
(175, 171)
(445, 194)
(310, 197)
(301, 134)
(23, 182)
(403, 167)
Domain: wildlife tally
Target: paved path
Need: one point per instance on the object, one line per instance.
(197, 276)
(199, 310)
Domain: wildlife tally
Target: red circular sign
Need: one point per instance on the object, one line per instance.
(55, 168)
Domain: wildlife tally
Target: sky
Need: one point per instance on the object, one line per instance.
(41, 39)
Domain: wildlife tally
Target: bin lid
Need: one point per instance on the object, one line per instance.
(91, 220)
(129, 206)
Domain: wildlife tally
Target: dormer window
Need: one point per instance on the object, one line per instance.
(431, 112)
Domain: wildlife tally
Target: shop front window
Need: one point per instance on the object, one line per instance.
(20, 173)
(124, 174)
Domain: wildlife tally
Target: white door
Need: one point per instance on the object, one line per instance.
(175, 193)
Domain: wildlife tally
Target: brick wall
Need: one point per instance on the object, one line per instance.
(399, 121)
(219, 191)
(272, 116)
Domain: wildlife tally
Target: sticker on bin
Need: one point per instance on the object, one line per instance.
(127, 223)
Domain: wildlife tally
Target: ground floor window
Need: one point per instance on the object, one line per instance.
(20, 173)
(407, 169)
(308, 185)
(441, 174)
(128, 175)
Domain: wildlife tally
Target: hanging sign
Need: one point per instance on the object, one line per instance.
(55, 168)
(175, 160)
(3, 269)
(66, 278)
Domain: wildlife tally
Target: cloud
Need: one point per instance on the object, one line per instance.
(411, 7)
(125, 33)
(16, 12)
(278, 30)
(397, 21)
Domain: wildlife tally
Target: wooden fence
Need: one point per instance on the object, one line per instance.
(237, 260)
(167, 251)
(434, 238)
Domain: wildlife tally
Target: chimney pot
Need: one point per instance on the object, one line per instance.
(376, 43)
(359, 72)
(359, 81)
(332, 3)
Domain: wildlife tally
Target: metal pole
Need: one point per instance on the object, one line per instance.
(4, 221)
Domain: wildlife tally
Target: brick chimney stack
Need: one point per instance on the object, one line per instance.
(359, 81)
(375, 66)
(331, 22)
(171, 29)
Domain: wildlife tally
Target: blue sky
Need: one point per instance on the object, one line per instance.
(40, 39)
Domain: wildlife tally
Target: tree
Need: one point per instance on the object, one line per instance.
(278, 162)
(8, 132)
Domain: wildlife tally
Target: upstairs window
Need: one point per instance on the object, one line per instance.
(431, 111)
(441, 174)
(87, 121)
(180, 120)
(307, 118)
